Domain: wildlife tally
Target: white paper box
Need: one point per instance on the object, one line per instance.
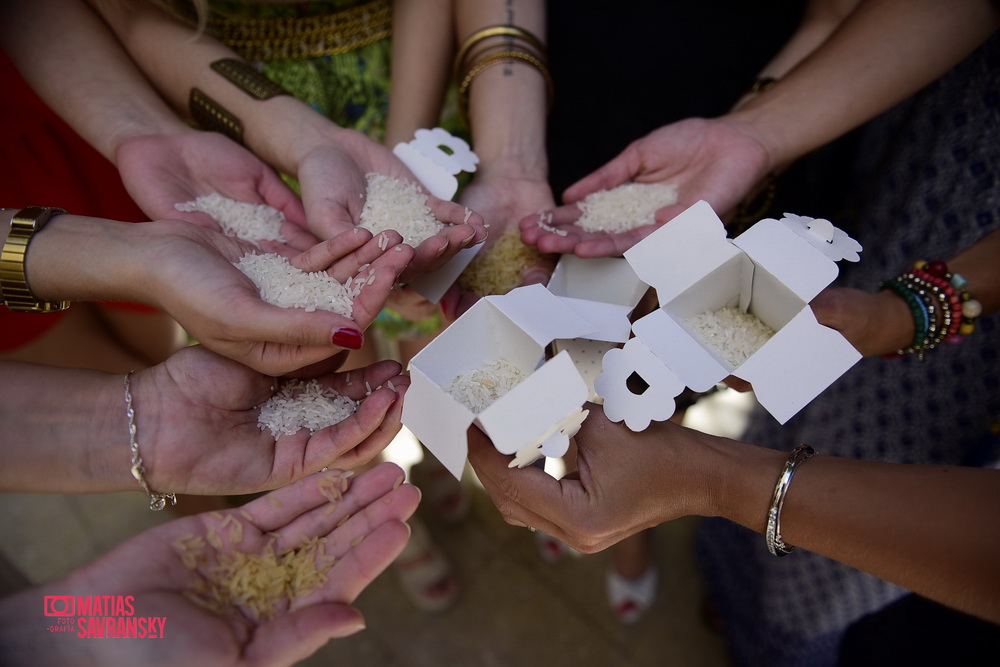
(603, 291)
(537, 416)
(771, 271)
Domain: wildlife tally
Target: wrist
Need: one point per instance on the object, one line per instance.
(79, 258)
(741, 482)
(297, 129)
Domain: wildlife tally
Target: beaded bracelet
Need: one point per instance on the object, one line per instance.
(943, 311)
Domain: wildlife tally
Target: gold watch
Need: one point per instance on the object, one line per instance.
(13, 282)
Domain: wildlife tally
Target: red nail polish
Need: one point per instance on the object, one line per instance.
(352, 339)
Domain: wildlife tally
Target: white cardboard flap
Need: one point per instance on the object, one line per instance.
(542, 315)
(680, 252)
(681, 352)
(524, 416)
(438, 421)
(788, 257)
(587, 355)
(656, 403)
(432, 286)
(604, 279)
(799, 362)
(609, 322)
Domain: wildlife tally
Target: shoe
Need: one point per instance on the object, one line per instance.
(425, 573)
(446, 497)
(631, 598)
(551, 549)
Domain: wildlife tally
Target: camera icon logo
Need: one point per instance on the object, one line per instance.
(60, 605)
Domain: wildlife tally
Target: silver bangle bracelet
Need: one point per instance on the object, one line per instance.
(157, 501)
(775, 544)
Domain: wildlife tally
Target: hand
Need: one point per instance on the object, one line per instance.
(626, 482)
(333, 179)
(719, 161)
(874, 323)
(196, 419)
(365, 531)
(197, 284)
(163, 170)
(503, 199)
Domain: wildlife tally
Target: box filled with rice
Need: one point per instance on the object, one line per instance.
(489, 369)
(735, 307)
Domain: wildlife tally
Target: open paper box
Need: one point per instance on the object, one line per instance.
(538, 416)
(604, 291)
(771, 271)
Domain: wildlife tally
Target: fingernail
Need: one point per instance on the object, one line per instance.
(470, 240)
(352, 339)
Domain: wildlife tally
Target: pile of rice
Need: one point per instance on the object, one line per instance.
(303, 404)
(400, 206)
(261, 584)
(626, 207)
(281, 284)
(250, 222)
(479, 388)
(498, 270)
(731, 333)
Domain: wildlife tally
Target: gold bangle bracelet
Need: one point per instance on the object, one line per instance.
(496, 31)
(496, 59)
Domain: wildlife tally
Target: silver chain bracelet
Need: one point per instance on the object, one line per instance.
(157, 501)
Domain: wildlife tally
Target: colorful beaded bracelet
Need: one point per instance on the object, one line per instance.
(943, 311)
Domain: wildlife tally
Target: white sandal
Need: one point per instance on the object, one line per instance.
(631, 598)
(425, 573)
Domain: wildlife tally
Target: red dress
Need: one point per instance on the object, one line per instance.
(43, 162)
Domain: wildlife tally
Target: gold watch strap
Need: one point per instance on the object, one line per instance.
(17, 295)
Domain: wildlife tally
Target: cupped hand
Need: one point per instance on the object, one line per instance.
(503, 200)
(168, 569)
(626, 482)
(333, 180)
(160, 171)
(196, 420)
(716, 160)
(197, 284)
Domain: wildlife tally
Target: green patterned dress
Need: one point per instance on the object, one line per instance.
(334, 56)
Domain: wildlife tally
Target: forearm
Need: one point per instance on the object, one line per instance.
(79, 258)
(64, 430)
(507, 104)
(83, 75)
(422, 47)
(930, 529)
(280, 130)
(883, 52)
